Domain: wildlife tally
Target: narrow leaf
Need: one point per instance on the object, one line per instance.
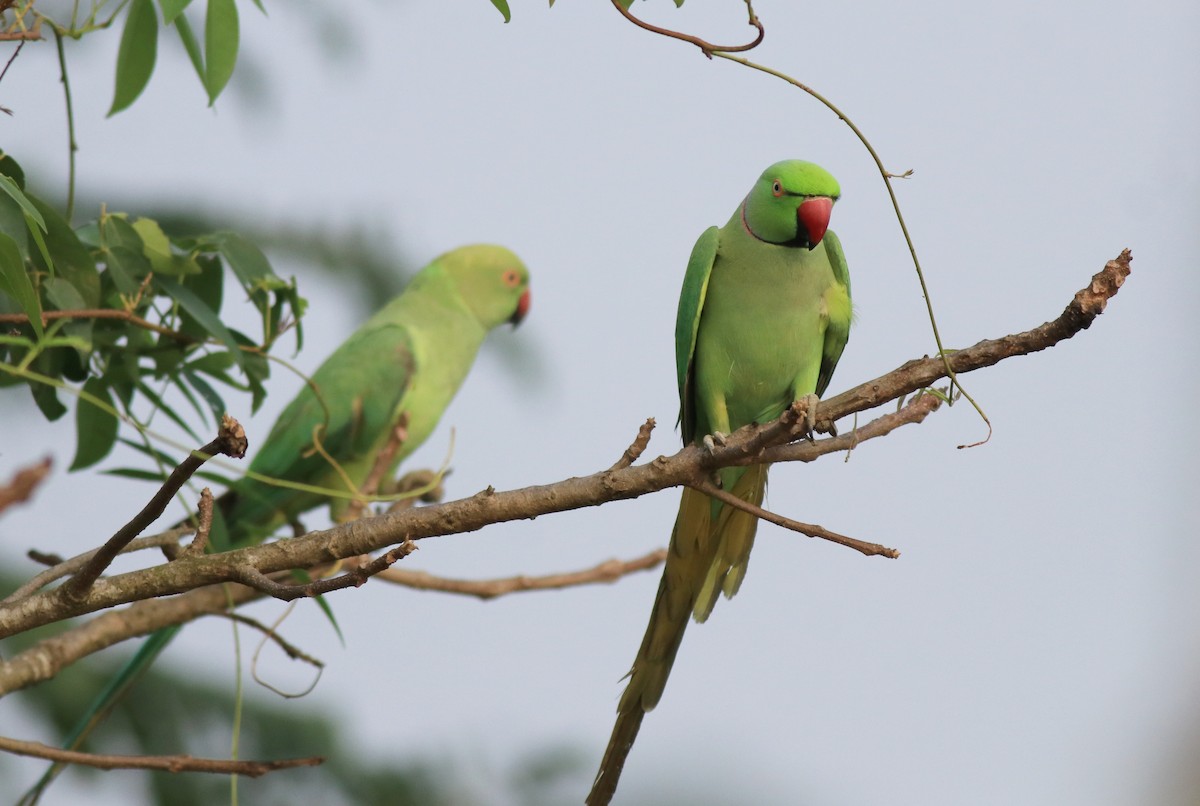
(72, 259)
(502, 5)
(220, 46)
(204, 315)
(135, 58)
(188, 37)
(15, 282)
(172, 9)
(214, 401)
(95, 427)
(10, 187)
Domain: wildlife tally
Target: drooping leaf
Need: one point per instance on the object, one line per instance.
(10, 187)
(136, 55)
(160, 405)
(214, 401)
(190, 44)
(502, 5)
(95, 427)
(220, 46)
(64, 297)
(15, 282)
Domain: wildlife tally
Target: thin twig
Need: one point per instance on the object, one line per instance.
(638, 447)
(61, 568)
(289, 649)
(23, 483)
(810, 529)
(608, 571)
(204, 519)
(887, 177)
(72, 146)
(252, 577)
(230, 441)
(252, 769)
(101, 313)
(707, 48)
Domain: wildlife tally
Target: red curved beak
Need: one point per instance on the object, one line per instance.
(813, 217)
(522, 309)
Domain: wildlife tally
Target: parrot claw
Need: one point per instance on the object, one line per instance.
(714, 440)
(810, 415)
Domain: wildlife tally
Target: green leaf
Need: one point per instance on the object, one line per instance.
(135, 58)
(247, 261)
(160, 405)
(172, 9)
(503, 6)
(15, 282)
(155, 454)
(72, 259)
(64, 297)
(157, 250)
(188, 37)
(214, 401)
(96, 428)
(10, 168)
(10, 187)
(203, 314)
(220, 46)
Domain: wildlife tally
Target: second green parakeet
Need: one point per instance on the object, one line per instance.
(763, 317)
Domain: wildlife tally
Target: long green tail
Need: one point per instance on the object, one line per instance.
(130, 673)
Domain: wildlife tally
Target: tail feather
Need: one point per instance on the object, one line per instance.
(705, 557)
(733, 536)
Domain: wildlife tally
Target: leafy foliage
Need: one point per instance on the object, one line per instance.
(130, 312)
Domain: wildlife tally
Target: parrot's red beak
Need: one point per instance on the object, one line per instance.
(522, 309)
(813, 217)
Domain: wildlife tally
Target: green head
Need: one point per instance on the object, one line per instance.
(491, 280)
(790, 204)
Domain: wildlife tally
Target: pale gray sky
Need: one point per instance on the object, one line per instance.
(1039, 640)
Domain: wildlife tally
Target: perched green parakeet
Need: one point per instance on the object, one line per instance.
(408, 359)
(763, 317)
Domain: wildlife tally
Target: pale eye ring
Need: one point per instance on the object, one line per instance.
(777, 188)
(512, 278)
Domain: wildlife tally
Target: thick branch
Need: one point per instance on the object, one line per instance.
(489, 506)
(253, 769)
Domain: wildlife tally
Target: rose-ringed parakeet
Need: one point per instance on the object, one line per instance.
(763, 317)
(408, 360)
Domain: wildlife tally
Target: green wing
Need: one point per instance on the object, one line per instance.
(359, 391)
(687, 322)
(837, 333)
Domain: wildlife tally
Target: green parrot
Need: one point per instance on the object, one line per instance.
(764, 315)
(408, 359)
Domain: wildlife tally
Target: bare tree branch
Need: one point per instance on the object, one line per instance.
(608, 571)
(635, 450)
(750, 445)
(354, 578)
(252, 769)
(809, 529)
(230, 441)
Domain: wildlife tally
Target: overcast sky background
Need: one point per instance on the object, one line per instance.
(1039, 640)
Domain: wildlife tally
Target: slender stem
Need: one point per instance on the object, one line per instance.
(72, 146)
(887, 181)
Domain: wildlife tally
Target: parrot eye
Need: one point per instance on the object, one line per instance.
(512, 278)
(777, 188)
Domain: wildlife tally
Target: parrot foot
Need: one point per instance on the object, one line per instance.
(810, 415)
(714, 440)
